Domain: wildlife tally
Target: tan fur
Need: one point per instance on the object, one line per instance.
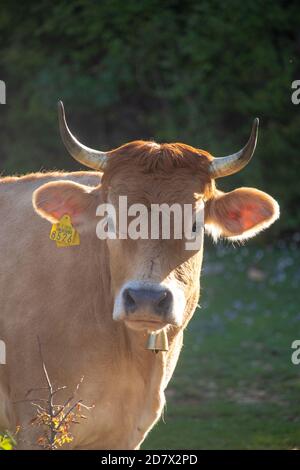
(65, 296)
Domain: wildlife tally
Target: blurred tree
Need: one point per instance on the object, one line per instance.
(192, 71)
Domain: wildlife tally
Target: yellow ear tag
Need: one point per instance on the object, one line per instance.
(63, 232)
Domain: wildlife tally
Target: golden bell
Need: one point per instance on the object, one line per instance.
(157, 341)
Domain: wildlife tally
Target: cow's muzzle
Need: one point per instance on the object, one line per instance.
(148, 305)
(154, 301)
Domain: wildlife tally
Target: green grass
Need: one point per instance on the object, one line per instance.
(235, 386)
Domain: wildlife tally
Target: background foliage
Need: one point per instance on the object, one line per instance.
(192, 71)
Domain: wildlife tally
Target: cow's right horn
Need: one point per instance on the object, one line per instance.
(91, 158)
(225, 166)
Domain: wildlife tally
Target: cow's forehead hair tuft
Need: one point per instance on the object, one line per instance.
(143, 158)
(153, 156)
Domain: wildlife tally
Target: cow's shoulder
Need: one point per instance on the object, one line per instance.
(16, 191)
(89, 178)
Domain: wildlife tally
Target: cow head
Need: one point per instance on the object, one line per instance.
(155, 281)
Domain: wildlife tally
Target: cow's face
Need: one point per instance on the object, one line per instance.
(155, 281)
(154, 278)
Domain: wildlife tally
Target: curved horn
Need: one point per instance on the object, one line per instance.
(88, 157)
(225, 166)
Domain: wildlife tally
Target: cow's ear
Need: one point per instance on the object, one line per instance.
(240, 214)
(53, 200)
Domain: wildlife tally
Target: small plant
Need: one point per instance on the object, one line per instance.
(7, 441)
(55, 419)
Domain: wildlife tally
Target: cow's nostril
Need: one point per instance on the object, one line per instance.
(157, 301)
(129, 302)
(164, 303)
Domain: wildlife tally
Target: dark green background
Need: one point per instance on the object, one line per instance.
(192, 71)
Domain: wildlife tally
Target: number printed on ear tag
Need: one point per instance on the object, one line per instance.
(63, 233)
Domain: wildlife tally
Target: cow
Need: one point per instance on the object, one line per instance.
(91, 308)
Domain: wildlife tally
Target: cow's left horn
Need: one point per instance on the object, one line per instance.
(92, 158)
(225, 166)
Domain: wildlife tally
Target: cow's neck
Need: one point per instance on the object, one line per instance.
(150, 372)
(130, 342)
(140, 375)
